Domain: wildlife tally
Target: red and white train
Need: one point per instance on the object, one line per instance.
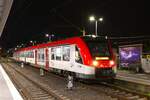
(86, 57)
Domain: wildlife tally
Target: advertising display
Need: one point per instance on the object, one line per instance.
(130, 55)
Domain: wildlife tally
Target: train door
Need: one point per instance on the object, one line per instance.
(58, 55)
(52, 57)
(35, 57)
(47, 58)
(41, 57)
(25, 56)
(72, 57)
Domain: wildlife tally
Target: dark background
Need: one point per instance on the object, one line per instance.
(32, 19)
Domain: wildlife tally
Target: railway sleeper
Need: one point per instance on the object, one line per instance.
(116, 91)
(35, 90)
(40, 95)
(42, 98)
(38, 92)
(128, 94)
(122, 93)
(142, 99)
(133, 97)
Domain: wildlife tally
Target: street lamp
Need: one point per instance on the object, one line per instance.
(92, 18)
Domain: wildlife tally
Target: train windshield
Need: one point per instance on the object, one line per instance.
(98, 48)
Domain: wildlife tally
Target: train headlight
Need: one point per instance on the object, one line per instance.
(95, 63)
(111, 62)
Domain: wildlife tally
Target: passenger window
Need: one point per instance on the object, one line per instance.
(31, 54)
(78, 56)
(66, 53)
(25, 54)
(58, 53)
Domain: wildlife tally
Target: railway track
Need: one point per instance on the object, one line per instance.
(30, 89)
(115, 92)
(127, 94)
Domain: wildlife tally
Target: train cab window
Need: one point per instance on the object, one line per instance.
(66, 53)
(78, 56)
(99, 49)
(52, 54)
(58, 53)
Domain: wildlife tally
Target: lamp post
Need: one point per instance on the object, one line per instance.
(92, 18)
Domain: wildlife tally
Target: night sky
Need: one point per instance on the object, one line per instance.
(32, 19)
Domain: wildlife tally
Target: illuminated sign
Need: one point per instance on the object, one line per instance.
(102, 58)
(130, 55)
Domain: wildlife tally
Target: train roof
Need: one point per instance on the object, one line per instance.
(73, 40)
(68, 41)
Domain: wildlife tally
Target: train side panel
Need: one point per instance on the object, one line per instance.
(64, 58)
(60, 57)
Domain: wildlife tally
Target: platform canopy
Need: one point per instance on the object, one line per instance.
(5, 6)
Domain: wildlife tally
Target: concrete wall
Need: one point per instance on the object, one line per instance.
(5, 6)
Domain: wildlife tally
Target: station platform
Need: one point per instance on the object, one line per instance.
(139, 82)
(140, 78)
(7, 88)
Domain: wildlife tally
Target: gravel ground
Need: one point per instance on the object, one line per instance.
(58, 84)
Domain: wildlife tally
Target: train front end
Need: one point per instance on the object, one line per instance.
(103, 59)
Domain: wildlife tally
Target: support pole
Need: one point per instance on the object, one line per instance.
(96, 27)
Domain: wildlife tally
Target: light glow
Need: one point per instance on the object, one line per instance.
(111, 62)
(31, 41)
(93, 36)
(95, 63)
(47, 35)
(101, 65)
(92, 18)
(100, 19)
